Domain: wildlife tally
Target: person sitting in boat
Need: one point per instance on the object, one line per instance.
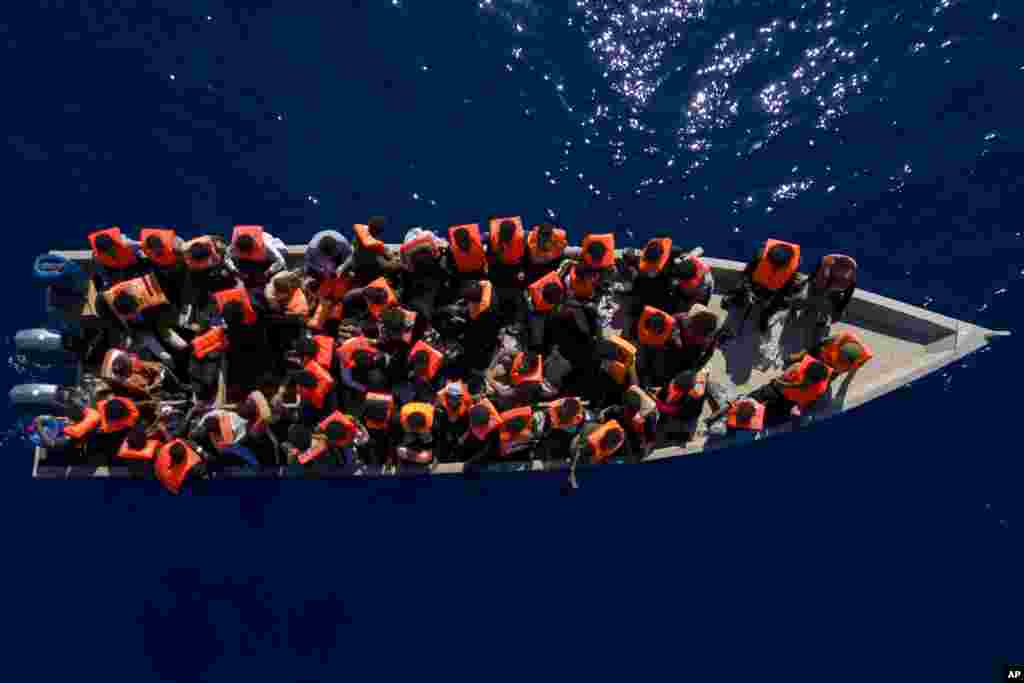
(380, 416)
(506, 252)
(472, 319)
(544, 299)
(419, 444)
(316, 391)
(596, 443)
(649, 270)
(424, 272)
(451, 413)
(545, 247)
(356, 358)
(425, 364)
(696, 335)
(397, 331)
(682, 399)
(639, 413)
(526, 381)
(844, 352)
(208, 271)
(370, 257)
(224, 431)
(617, 359)
(178, 464)
(692, 282)
(770, 280)
(125, 370)
(740, 419)
(141, 305)
(564, 418)
(656, 338)
(466, 257)
(284, 296)
(796, 393)
(139, 446)
(481, 441)
(325, 254)
(831, 289)
(332, 443)
(521, 428)
(255, 255)
(116, 257)
(165, 252)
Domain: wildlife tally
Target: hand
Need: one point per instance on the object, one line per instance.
(795, 411)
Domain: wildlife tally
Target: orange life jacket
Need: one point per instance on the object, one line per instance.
(351, 429)
(582, 287)
(126, 422)
(524, 375)
(316, 449)
(510, 440)
(425, 409)
(698, 278)
(89, 422)
(240, 295)
(434, 359)
(766, 276)
(124, 257)
(126, 452)
(831, 356)
(755, 424)
(214, 259)
(826, 282)
(608, 260)
(536, 292)
(324, 351)
(214, 340)
(474, 260)
(557, 248)
(804, 396)
(424, 243)
(510, 253)
(170, 475)
(659, 265)
(349, 349)
(326, 310)
(602, 454)
(225, 436)
(259, 252)
(166, 257)
(145, 290)
(492, 423)
(647, 336)
(377, 309)
(334, 287)
(297, 304)
(457, 411)
(366, 240)
(556, 420)
(625, 360)
(324, 383)
(486, 293)
(387, 399)
(674, 395)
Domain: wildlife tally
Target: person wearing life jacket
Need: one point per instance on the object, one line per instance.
(380, 416)
(424, 274)
(370, 256)
(683, 397)
(695, 336)
(418, 444)
(521, 429)
(597, 442)
(81, 423)
(224, 432)
(831, 289)
(598, 251)
(638, 414)
(284, 296)
(357, 357)
(771, 279)
(115, 257)
(472, 321)
(177, 464)
(691, 282)
(165, 252)
(617, 359)
(255, 254)
(579, 303)
(137, 447)
(506, 259)
(741, 419)
(397, 331)
(316, 389)
(325, 254)
(467, 255)
(650, 272)
(525, 380)
(481, 441)
(545, 247)
(544, 299)
(655, 332)
(424, 363)
(796, 393)
(207, 270)
(451, 414)
(127, 371)
(845, 353)
(333, 443)
(565, 417)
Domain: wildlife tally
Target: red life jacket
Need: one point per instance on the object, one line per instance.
(259, 252)
(831, 356)
(494, 422)
(127, 422)
(126, 452)
(89, 422)
(145, 290)
(509, 440)
(377, 309)
(334, 287)
(325, 351)
(214, 259)
(170, 475)
(553, 253)
(601, 454)
(123, 257)
(486, 293)
(349, 349)
(167, 257)
(475, 259)
(698, 279)
(804, 396)
(608, 258)
(521, 374)
(214, 340)
(350, 426)
(508, 253)
(324, 383)
(376, 398)
(770, 278)
(582, 287)
(649, 267)
(366, 240)
(755, 424)
(647, 336)
(425, 243)
(240, 295)
(536, 292)
(434, 359)
(556, 419)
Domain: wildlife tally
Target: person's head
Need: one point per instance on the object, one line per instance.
(633, 400)
(569, 409)
(479, 416)
(328, 246)
(363, 359)
(545, 234)
(300, 436)
(653, 251)
(136, 438)
(462, 239)
(419, 360)
(816, 372)
(745, 411)
(687, 270)
(655, 324)
(233, 312)
(779, 255)
(515, 425)
(116, 409)
(552, 294)
(506, 231)
(417, 421)
(245, 244)
(596, 251)
(74, 412)
(177, 453)
(154, 244)
(126, 304)
(105, 244)
(851, 352)
(305, 379)
(335, 430)
(611, 440)
(473, 292)
(122, 366)
(375, 410)
(454, 392)
(376, 226)
(200, 251)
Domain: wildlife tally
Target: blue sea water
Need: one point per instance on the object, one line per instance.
(884, 545)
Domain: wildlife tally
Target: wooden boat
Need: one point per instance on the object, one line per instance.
(909, 342)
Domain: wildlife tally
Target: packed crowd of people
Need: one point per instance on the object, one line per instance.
(477, 347)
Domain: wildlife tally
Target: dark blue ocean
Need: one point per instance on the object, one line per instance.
(881, 546)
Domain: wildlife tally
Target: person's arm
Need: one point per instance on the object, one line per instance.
(275, 248)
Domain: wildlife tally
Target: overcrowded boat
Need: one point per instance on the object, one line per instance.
(480, 347)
